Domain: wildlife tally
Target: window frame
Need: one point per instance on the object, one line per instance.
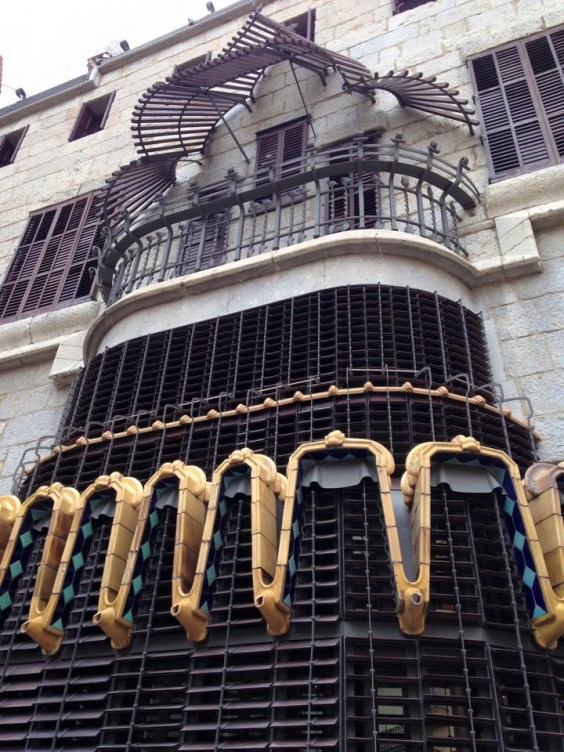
(279, 131)
(398, 8)
(80, 129)
(205, 57)
(538, 111)
(15, 140)
(304, 21)
(37, 261)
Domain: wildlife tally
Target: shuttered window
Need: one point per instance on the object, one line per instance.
(53, 264)
(285, 144)
(92, 117)
(521, 96)
(10, 144)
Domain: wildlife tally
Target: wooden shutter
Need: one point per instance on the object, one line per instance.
(92, 117)
(521, 96)
(546, 57)
(293, 146)
(52, 264)
(10, 144)
(285, 143)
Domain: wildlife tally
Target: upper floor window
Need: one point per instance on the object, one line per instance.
(53, 264)
(304, 24)
(92, 117)
(193, 62)
(401, 5)
(520, 91)
(9, 145)
(285, 144)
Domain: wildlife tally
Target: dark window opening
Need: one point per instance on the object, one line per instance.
(304, 24)
(199, 60)
(92, 117)
(354, 199)
(10, 144)
(54, 263)
(402, 5)
(521, 96)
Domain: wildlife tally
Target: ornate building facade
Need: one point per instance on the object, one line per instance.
(281, 386)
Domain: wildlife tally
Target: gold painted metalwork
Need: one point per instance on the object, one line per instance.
(192, 496)
(412, 596)
(416, 487)
(65, 503)
(9, 506)
(270, 403)
(545, 503)
(266, 485)
(129, 494)
(270, 550)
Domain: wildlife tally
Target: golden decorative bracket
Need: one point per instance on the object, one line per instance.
(416, 487)
(38, 625)
(266, 485)
(9, 506)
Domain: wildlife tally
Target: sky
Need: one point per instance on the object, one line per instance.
(46, 43)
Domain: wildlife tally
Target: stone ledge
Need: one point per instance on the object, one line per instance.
(533, 192)
(30, 340)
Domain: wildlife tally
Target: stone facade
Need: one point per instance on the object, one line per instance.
(419, 601)
(514, 234)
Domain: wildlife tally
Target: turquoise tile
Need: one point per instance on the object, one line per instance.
(519, 541)
(78, 561)
(5, 601)
(528, 577)
(509, 507)
(16, 568)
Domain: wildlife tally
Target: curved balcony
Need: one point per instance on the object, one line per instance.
(349, 187)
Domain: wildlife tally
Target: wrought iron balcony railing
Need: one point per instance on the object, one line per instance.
(349, 187)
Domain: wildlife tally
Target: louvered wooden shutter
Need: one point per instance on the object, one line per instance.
(293, 145)
(521, 96)
(52, 264)
(283, 144)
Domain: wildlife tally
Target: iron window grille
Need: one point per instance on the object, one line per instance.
(92, 117)
(54, 262)
(520, 90)
(10, 144)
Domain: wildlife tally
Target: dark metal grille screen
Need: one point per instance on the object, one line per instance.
(344, 336)
(344, 677)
